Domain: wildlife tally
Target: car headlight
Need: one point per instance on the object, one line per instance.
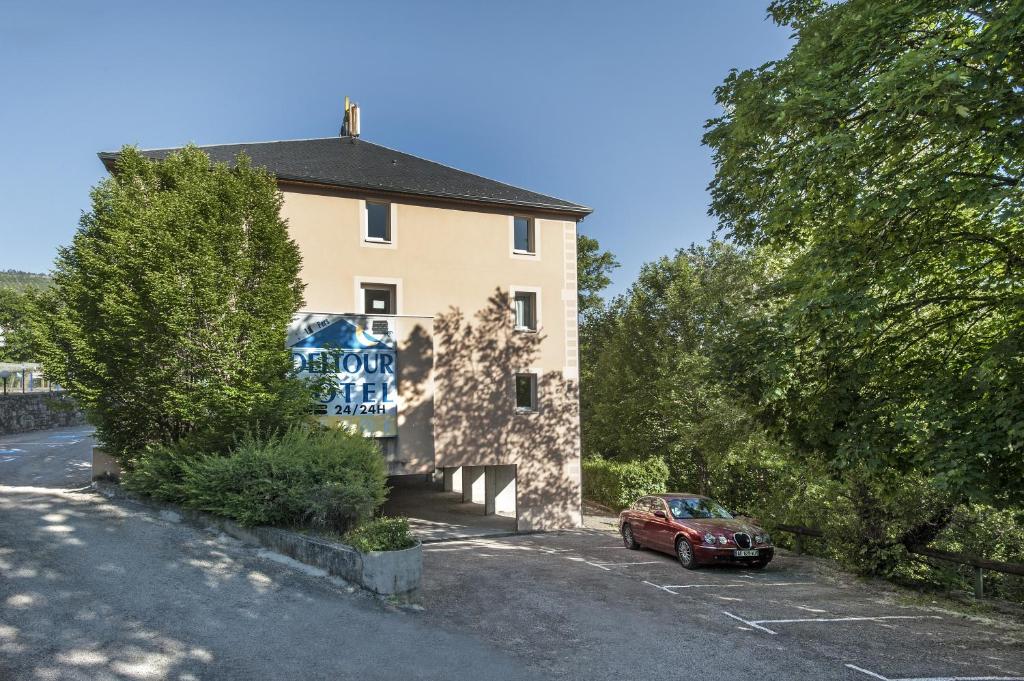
(722, 540)
(758, 539)
(709, 538)
(766, 538)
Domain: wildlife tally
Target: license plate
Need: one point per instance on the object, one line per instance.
(746, 553)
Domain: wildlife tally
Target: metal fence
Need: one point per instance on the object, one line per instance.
(979, 564)
(25, 377)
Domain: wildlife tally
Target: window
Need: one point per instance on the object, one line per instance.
(526, 311)
(378, 299)
(378, 222)
(523, 238)
(526, 392)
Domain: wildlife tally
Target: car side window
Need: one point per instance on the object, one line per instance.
(657, 504)
(640, 504)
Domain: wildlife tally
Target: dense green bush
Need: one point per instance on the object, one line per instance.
(168, 312)
(618, 483)
(381, 534)
(326, 479)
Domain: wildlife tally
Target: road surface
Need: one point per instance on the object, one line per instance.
(99, 589)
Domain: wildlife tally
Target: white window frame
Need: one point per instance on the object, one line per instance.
(524, 255)
(535, 291)
(360, 282)
(364, 226)
(536, 373)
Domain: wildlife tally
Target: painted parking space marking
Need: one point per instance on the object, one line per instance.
(755, 625)
(876, 675)
(670, 588)
(803, 620)
(875, 618)
(804, 607)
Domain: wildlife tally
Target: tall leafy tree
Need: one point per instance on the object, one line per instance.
(881, 162)
(168, 313)
(662, 383)
(594, 268)
(18, 307)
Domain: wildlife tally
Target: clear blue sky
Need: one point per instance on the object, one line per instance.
(601, 103)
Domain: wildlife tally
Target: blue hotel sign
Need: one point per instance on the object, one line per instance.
(361, 367)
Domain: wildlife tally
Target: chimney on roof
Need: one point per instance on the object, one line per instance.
(350, 124)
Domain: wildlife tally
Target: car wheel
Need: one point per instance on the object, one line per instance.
(684, 552)
(628, 539)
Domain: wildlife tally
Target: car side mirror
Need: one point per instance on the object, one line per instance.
(659, 514)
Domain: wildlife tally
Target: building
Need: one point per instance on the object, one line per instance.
(472, 283)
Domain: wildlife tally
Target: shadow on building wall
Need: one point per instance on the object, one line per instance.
(475, 417)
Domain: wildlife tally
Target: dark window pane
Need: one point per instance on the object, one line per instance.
(523, 235)
(525, 391)
(377, 226)
(377, 301)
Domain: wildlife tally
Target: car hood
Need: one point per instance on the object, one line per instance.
(716, 525)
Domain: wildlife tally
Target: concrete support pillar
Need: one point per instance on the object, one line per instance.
(500, 491)
(453, 479)
(473, 484)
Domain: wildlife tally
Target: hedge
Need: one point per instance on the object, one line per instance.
(619, 483)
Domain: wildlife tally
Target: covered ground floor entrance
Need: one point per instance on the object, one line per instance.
(458, 503)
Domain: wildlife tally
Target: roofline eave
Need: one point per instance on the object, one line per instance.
(577, 212)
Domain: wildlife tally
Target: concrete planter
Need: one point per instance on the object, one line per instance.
(393, 572)
(104, 466)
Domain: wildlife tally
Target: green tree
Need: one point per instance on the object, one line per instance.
(594, 268)
(881, 162)
(661, 381)
(168, 313)
(18, 307)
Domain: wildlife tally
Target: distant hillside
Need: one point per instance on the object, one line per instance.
(23, 280)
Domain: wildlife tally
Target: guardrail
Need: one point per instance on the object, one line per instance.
(979, 564)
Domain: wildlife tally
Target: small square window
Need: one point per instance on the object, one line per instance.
(378, 222)
(523, 238)
(378, 299)
(526, 392)
(525, 305)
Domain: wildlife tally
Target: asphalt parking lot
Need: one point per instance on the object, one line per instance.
(580, 605)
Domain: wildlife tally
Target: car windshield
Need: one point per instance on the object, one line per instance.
(697, 508)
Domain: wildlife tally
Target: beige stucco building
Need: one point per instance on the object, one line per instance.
(477, 281)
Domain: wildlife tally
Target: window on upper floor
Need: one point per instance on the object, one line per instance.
(378, 299)
(526, 392)
(524, 237)
(378, 222)
(525, 307)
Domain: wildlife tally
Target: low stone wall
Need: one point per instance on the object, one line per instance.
(22, 412)
(391, 574)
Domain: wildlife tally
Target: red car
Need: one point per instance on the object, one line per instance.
(695, 529)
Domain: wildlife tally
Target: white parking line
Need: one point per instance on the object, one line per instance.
(876, 675)
(716, 585)
(749, 623)
(804, 607)
(853, 619)
(758, 623)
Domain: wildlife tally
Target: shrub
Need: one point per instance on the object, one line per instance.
(618, 483)
(159, 471)
(381, 534)
(323, 478)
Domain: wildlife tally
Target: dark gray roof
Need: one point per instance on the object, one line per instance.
(355, 163)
